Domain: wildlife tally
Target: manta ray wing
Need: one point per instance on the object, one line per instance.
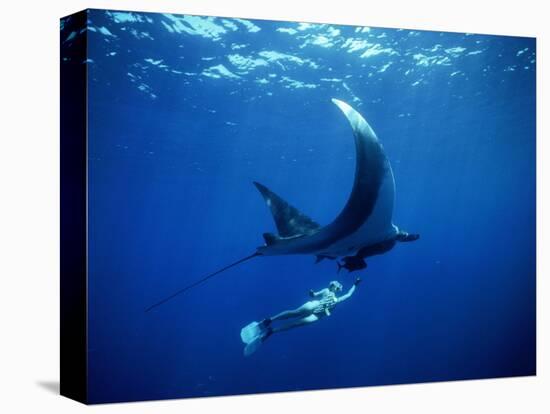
(289, 220)
(366, 217)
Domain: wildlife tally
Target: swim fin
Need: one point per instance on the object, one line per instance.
(251, 331)
(253, 346)
(254, 334)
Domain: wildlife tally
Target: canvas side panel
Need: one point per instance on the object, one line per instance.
(73, 284)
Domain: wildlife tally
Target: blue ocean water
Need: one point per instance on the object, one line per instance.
(185, 112)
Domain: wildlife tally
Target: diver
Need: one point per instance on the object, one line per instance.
(321, 305)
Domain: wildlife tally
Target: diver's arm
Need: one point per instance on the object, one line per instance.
(347, 295)
(350, 291)
(314, 294)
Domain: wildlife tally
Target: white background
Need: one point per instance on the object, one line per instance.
(29, 206)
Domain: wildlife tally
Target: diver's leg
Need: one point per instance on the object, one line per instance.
(286, 315)
(305, 310)
(295, 324)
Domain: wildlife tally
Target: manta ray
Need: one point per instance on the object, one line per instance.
(363, 228)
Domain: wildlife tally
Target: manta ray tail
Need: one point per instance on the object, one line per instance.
(202, 280)
(289, 220)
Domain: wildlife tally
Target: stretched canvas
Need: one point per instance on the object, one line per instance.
(253, 206)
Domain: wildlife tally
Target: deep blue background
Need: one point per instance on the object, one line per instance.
(173, 152)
